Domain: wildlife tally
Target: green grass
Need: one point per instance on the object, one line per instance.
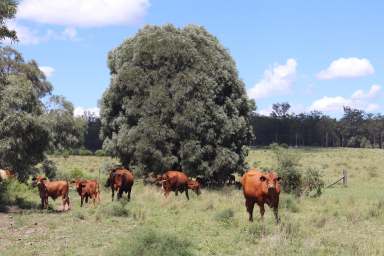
(342, 221)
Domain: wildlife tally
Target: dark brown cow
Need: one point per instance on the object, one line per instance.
(53, 189)
(6, 175)
(121, 180)
(88, 189)
(261, 188)
(178, 181)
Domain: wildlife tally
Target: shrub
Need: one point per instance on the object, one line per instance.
(288, 169)
(312, 181)
(147, 241)
(225, 215)
(76, 173)
(101, 152)
(85, 152)
(116, 209)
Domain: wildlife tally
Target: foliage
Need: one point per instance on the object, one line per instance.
(7, 11)
(100, 152)
(176, 101)
(49, 169)
(287, 167)
(24, 136)
(92, 139)
(148, 241)
(66, 131)
(312, 181)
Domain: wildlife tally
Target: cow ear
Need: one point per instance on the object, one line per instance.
(263, 178)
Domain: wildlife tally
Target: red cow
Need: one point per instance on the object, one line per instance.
(261, 188)
(86, 189)
(121, 180)
(6, 174)
(53, 189)
(178, 181)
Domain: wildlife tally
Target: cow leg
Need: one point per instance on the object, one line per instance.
(113, 193)
(262, 211)
(186, 194)
(119, 193)
(82, 201)
(129, 193)
(249, 204)
(276, 213)
(86, 199)
(46, 203)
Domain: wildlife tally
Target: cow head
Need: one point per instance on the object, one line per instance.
(272, 182)
(195, 186)
(38, 180)
(79, 184)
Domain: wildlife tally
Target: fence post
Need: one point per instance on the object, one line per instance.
(345, 178)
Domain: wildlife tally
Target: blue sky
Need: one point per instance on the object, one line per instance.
(313, 54)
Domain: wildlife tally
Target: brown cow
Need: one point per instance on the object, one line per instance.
(6, 175)
(261, 188)
(52, 189)
(178, 181)
(121, 180)
(86, 189)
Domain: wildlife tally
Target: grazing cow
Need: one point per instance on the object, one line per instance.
(6, 175)
(88, 189)
(261, 188)
(52, 189)
(178, 181)
(121, 180)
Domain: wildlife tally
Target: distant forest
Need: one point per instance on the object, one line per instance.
(355, 128)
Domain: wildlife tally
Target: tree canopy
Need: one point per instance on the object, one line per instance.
(7, 11)
(176, 101)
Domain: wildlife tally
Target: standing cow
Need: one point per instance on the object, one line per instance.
(261, 188)
(53, 189)
(178, 181)
(121, 180)
(87, 189)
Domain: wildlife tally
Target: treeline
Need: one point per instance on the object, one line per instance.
(355, 128)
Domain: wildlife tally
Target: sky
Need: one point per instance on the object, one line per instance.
(315, 55)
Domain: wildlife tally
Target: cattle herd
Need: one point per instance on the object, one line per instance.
(258, 187)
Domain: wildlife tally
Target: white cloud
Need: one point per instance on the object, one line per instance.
(372, 93)
(83, 13)
(28, 36)
(278, 80)
(347, 68)
(48, 71)
(359, 99)
(79, 111)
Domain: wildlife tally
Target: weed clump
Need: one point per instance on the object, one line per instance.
(116, 209)
(225, 216)
(147, 241)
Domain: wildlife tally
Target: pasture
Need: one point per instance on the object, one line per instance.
(342, 221)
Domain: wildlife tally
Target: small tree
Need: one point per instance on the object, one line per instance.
(176, 101)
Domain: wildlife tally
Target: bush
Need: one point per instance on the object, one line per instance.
(312, 181)
(225, 215)
(147, 241)
(287, 167)
(101, 152)
(116, 209)
(76, 173)
(12, 192)
(85, 152)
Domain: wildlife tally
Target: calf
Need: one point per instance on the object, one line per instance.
(261, 188)
(53, 189)
(121, 180)
(86, 189)
(178, 181)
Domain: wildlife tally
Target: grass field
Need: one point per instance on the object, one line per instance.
(342, 221)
